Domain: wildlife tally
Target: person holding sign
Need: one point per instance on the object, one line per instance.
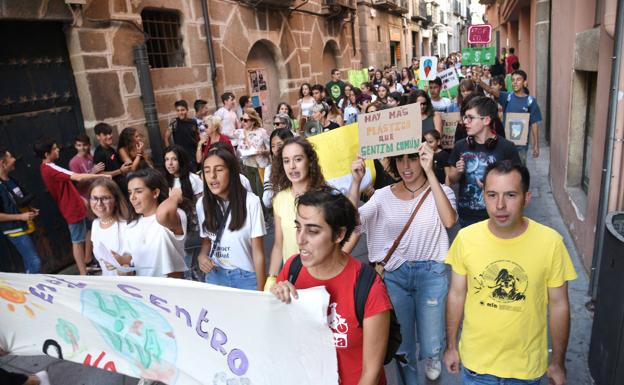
(325, 220)
(157, 227)
(406, 224)
(109, 206)
(471, 156)
(522, 114)
(431, 119)
(231, 224)
(295, 171)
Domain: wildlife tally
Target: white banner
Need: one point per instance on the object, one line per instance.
(170, 330)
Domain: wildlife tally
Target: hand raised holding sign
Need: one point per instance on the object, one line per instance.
(425, 153)
(358, 169)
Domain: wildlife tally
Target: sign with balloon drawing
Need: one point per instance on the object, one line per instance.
(428, 67)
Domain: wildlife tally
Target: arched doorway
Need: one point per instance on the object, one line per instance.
(331, 53)
(263, 79)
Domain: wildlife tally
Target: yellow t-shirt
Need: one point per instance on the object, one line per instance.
(505, 313)
(284, 207)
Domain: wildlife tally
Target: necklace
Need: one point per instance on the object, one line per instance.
(107, 221)
(414, 191)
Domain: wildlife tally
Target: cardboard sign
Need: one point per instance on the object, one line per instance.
(480, 34)
(428, 67)
(449, 78)
(357, 77)
(170, 330)
(390, 132)
(517, 128)
(478, 56)
(449, 126)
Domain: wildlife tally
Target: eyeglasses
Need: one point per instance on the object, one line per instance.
(470, 118)
(277, 123)
(245, 120)
(104, 200)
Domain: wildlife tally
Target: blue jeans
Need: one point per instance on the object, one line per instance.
(26, 248)
(471, 378)
(418, 292)
(236, 278)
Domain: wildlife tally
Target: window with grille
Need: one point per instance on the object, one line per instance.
(164, 43)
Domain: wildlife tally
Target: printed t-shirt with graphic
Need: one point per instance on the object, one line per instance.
(504, 332)
(156, 251)
(82, 165)
(520, 104)
(234, 250)
(335, 89)
(341, 317)
(59, 184)
(284, 208)
(228, 124)
(112, 162)
(471, 204)
(113, 239)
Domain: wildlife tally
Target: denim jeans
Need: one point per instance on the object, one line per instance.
(418, 292)
(26, 248)
(471, 378)
(236, 278)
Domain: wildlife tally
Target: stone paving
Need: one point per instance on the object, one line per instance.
(542, 209)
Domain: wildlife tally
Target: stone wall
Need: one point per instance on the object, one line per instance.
(101, 46)
(374, 30)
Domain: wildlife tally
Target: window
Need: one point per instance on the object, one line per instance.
(164, 43)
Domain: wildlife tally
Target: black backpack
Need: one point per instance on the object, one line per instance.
(365, 281)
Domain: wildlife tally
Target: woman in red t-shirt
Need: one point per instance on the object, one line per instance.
(325, 221)
(211, 135)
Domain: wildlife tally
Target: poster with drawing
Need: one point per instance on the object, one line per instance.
(428, 67)
(170, 330)
(517, 128)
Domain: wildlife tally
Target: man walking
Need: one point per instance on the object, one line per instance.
(509, 279)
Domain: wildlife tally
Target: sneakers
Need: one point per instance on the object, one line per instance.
(93, 267)
(433, 368)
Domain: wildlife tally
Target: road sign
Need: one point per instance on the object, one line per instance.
(479, 34)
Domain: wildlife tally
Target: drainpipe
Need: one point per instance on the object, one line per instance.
(607, 163)
(141, 63)
(211, 55)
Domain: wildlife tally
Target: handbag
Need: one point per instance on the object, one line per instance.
(380, 266)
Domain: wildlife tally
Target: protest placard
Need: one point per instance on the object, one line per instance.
(517, 128)
(390, 132)
(449, 126)
(450, 82)
(428, 67)
(478, 56)
(170, 330)
(357, 77)
(336, 150)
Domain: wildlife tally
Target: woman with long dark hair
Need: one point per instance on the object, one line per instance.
(178, 175)
(231, 226)
(131, 148)
(305, 104)
(431, 120)
(277, 138)
(157, 226)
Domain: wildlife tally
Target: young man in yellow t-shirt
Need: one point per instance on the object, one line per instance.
(509, 272)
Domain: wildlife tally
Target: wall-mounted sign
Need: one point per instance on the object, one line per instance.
(480, 34)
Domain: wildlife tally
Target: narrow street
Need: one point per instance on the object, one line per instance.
(542, 209)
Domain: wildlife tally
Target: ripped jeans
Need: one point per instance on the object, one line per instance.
(418, 292)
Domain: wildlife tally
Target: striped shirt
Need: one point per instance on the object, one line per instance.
(383, 217)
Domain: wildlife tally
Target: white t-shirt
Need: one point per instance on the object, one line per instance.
(234, 250)
(228, 124)
(156, 251)
(112, 238)
(245, 182)
(441, 105)
(196, 183)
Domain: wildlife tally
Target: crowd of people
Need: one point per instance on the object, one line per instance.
(203, 216)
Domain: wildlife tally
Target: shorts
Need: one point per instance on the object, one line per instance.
(78, 231)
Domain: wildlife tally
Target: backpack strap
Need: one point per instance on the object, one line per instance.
(294, 269)
(364, 282)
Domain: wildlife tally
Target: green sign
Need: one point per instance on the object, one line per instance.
(478, 56)
(357, 77)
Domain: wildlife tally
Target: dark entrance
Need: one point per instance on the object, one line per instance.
(37, 97)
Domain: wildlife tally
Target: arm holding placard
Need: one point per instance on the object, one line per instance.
(447, 213)
(437, 121)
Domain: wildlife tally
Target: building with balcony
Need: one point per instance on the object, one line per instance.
(383, 32)
(125, 62)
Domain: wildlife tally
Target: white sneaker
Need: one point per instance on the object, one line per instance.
(433, 368)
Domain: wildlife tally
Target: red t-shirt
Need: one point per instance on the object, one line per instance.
(341, 317)
(510, 60)
(59, 184)
(222, 138)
